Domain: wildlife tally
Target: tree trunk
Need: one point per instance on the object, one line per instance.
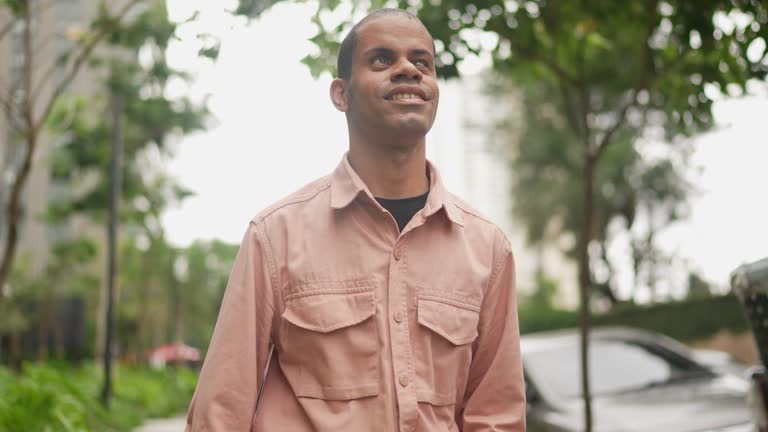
(14, 209)
(44, 328)
(173, 308)
(149, 280)
(605, 289)
(14, 360)
(58, 343)
(101, 313)
(46, 321)
(31, 137)
(584, 284)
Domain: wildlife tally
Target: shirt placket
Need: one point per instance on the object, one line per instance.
(399, 322)
(402, 360)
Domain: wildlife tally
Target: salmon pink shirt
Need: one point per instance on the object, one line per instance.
(374, 329)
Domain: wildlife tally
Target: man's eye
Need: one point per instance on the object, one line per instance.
(380, 60)
(422, 63)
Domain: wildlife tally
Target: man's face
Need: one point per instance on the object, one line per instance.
(393, 89)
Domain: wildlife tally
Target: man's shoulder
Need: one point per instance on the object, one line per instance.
(307, 193)
(476, 220)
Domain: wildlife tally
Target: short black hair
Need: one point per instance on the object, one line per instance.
(347, 48)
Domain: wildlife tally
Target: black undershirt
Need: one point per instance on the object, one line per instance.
(403, 209)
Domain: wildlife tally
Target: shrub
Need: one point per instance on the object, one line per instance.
(686, 320)
(58, 397)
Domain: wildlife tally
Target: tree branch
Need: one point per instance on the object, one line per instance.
(6, 28)
(39, 47)
(85, 53)
(584, 94)
(570, 115)
(646, 64)
(606, 140)
(565, 93)
(549, 63)
(643, 81)
(45, 6)
(9, 106)
(11, 110)
(27, 107)
(45, 40)
(585, 109)
(45, 77)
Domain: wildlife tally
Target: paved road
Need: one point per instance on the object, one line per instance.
(165, 425)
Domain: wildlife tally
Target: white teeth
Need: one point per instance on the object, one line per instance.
(399, 96)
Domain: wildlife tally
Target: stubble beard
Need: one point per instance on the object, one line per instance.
(400, 134)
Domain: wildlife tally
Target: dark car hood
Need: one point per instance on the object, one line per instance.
(692, 406)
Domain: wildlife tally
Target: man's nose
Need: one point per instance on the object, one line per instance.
(405, 70)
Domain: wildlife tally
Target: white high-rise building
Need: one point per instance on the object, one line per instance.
(473, 168)
(55, 28)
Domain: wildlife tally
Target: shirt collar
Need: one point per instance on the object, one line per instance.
(346, 185)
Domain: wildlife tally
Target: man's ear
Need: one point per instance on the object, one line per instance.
(339, 94)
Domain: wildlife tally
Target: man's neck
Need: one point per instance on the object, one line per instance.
(391, 172)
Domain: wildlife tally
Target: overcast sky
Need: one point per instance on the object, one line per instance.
(276, 130)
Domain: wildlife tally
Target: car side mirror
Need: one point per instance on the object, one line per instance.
(750, 283)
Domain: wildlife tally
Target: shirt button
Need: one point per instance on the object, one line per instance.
(397, 254)
(403, 380)
(398, 317)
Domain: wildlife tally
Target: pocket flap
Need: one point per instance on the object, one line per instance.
(325, 312)
(455, 321)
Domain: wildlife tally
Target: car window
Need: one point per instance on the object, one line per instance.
(615, 366)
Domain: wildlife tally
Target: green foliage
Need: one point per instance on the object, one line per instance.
(126, 46)
(545, 156)
(208, 265)
(155, 393)
(687, 320)
(593, 77)
(253, 8)
(328, 44)
(536, 319)
(171, 293)
(22, 288)
(149, 119)
(543, 296)
(159, 303)
(14, 6)
(137, 70)
(698, 287)
(48, 397)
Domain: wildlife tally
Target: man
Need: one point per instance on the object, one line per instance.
(391, 303)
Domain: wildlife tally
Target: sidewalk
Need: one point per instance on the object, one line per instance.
(163, 425)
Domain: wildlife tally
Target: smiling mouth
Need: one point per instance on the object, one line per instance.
(406, 97)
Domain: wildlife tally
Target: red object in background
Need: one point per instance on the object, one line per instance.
(173, 353)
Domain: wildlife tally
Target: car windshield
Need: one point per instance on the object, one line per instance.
(616, 366)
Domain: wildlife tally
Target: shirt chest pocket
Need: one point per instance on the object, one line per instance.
(329, 345)
(443, 350)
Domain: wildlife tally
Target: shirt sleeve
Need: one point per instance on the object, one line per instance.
(225, 396)
(495, 396)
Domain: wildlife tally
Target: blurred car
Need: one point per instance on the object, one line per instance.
(640, 381)
(720, 361)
